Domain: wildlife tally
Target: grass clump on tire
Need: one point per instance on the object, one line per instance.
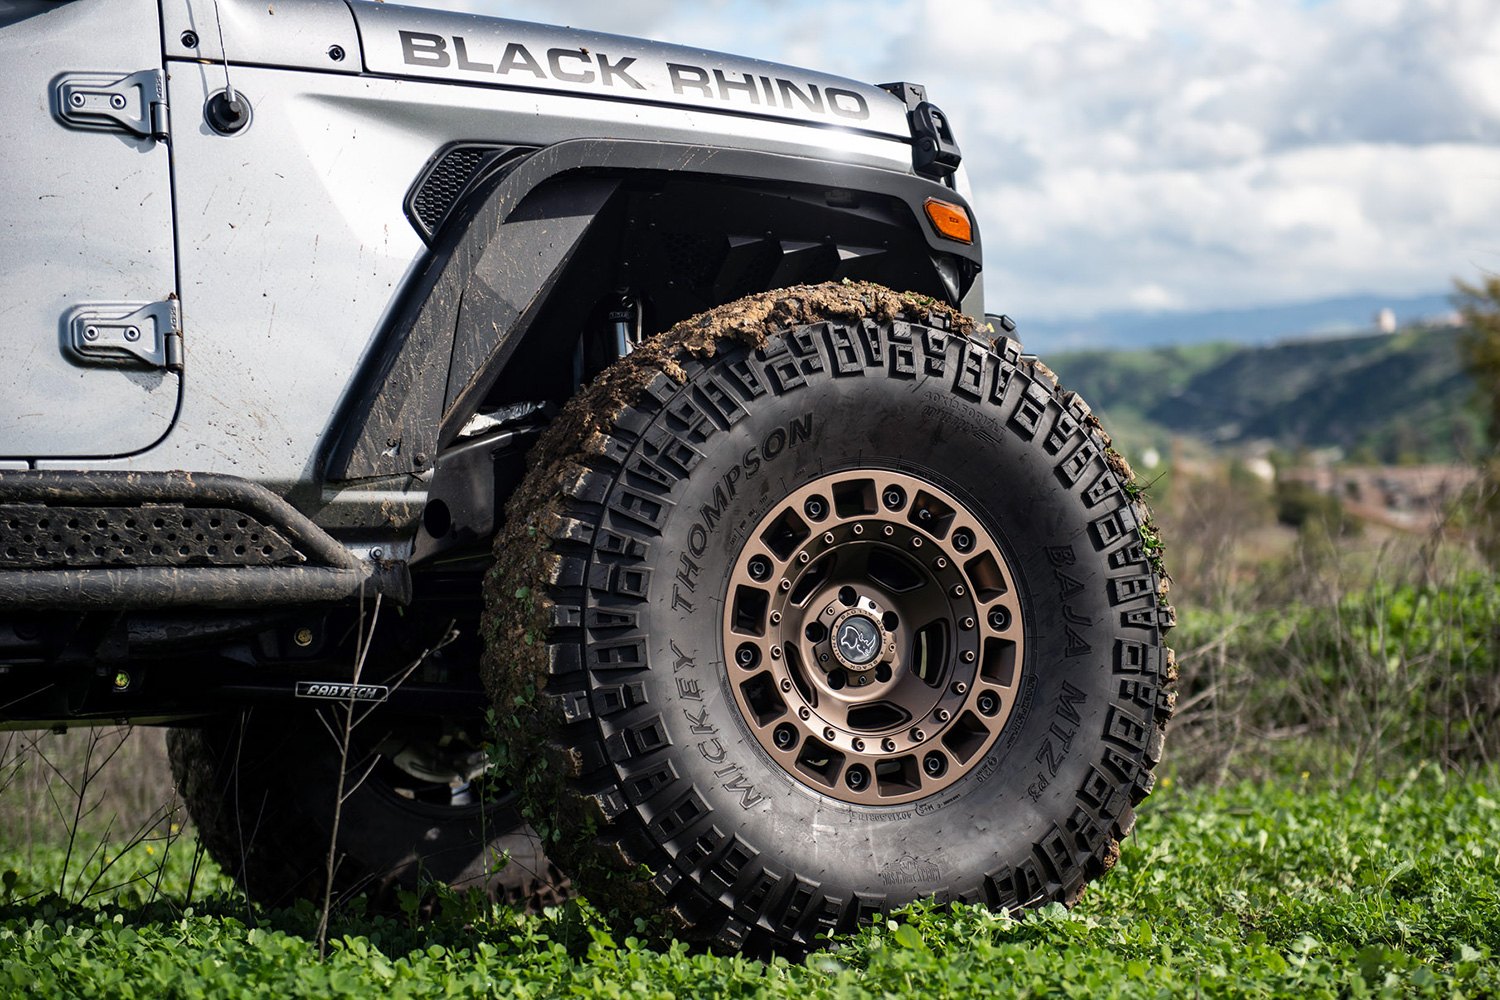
(819, 603)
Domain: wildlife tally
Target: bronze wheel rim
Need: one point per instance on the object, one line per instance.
(873, 637)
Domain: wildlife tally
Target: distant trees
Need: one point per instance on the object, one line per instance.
(1480, 307)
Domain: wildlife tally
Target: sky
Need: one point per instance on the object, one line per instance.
(1144, 157)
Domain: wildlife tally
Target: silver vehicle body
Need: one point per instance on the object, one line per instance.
(285, 245)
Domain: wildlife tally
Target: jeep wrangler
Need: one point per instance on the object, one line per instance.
(505, 452)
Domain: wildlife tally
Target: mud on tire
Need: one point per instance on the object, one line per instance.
(260, 790)
(697, 784)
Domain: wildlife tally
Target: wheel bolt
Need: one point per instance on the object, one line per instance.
(916, 542)
(888, 745)
(759, 568)
(804, 713)
(785, 585)
(856, 777)
(775, 652)
(963, 539)
(803, 557)
(940, 563)
(815, 508)
(989, 704)
(999, 619)
(828, 732)
(775, 617)
(919, 735)
(785, 737)
(747, 656)
(859, 529)
(943, 715)
(958, 590)
(786, 684)
(959, 687)
(968, 656)
(895, 498)
(827, 538)
(858, 744)
(967, 623)
(888, 531)
(934, 764)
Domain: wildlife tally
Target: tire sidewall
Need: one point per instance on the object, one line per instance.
(1024, 792)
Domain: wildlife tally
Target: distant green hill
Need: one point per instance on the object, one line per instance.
(1403, 397)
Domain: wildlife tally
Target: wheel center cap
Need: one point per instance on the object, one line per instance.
(858, 639)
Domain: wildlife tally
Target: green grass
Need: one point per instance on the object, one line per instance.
(1256, 890)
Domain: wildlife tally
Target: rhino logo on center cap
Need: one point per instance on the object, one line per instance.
(859, 639)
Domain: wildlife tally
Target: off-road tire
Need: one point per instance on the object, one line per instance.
(260, 790)
(608, 604)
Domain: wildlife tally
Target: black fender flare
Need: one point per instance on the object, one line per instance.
(461, 319)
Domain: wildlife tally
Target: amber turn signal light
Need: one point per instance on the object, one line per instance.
(949, 220)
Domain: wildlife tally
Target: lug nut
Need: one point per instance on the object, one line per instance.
(988, 703)
(856, 777)
(999, 619)
(747, 655)
(963, 539)
(759, 568)
(785, 737)
(934, 764)
(815, 508)
(895, 497)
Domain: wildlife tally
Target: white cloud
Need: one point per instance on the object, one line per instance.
(1144, 154)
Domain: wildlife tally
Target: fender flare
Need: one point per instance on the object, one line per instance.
(463, 317)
